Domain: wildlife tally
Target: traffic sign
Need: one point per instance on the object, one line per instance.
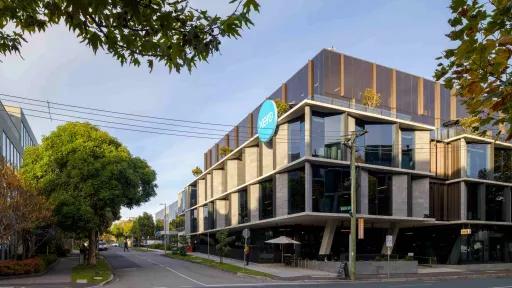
(389, 241)
(246, 233)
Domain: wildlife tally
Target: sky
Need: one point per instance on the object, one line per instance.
(404, 34)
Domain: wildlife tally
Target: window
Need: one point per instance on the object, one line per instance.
(296, 139)
(473, 209)
(477, 161)
(376, 146)
(266, 200)
(495, 203)
(327, 73)
(379, 194)
(331, 189)
(211, 215)
(503, 165)
(407, 149)
(193, 196)
(193, 221)
(326, 136)
(243, 207)
(297, 86)
(296, 192)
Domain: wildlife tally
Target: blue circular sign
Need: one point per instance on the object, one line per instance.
(267, 120)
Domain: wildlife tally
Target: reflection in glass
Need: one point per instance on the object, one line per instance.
(296, 139)
(326, 135)
(379, 194)
(266, 200)
(407, 149)
(477, 161)
(296, 192)
(494, 203)
(331, 189)
(193, 221)
(243, 207)
(503, 165)
(376, 146)
(473, 206)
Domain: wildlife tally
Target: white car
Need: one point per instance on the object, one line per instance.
(102, 246)
(115, 244)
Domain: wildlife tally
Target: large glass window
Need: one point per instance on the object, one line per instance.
(327, 73)
(296, 192)
(210, 216)
(296, 139)
(193, 221)
(266, 199)
(503, 165)
(494, 203)
(477, 161)
(445, 104)
(297, 86)
(379, 194)
(243, 207)
(406, 93)
(193, 196)
(244, 130)
(384, 86)
(407, 149)
(326, 135)
(358, 77)
(473, 202)
(376, 146)
(331, 189)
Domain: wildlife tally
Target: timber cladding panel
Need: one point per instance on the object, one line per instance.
(445, 201)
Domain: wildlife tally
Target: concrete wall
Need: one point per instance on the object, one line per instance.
(233, 202)
(281, 145)
(200, 219)
(420, 197)
(235, 174)
(422, 150)
(267, 158)
(201, 191)
(399, 197)
(463, 201)
(254, 202)
(218, 182)
(281, 194)
(187, 222)
(209, 194)
(251, 163)
(363, 192)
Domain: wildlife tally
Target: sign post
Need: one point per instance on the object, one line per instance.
(246, 233)
(389, 244)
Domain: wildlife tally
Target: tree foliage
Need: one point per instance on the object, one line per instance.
(282, 107)
(168, 31)
(223, 240)
(88, 176)
(121, 229)
(479, 67)
(197, 171)
(143, 227)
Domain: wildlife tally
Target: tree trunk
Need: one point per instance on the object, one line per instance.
(92, 248)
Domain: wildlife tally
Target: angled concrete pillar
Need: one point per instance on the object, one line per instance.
(327, 237)
(393, 231)
(399, 197)
(254, 202)
(281, 145)
(218, 182)
(251, 162)
(281, 194)
(420, 197)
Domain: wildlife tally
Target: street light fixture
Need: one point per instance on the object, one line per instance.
(165, 227)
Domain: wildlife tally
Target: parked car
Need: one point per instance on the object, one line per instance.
(115, 244)
(102, 246)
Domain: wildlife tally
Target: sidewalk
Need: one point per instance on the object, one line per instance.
(59, 274)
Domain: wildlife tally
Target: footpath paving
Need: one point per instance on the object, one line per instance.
(58, 276)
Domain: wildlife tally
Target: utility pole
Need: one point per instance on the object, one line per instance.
(350, 143)
(165, 227)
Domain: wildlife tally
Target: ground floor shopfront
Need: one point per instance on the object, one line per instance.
(436, 243)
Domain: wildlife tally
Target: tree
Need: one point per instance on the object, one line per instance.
(88, 175)
(223, 243)
(143, 227)
(168, 31)
(159, 225)
(282, 107)
(121, 229)
(22, 210)
(197, 171)
(479, 67)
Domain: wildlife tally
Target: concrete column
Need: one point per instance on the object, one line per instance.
(420, 197)
(233, 201)
(209, 192)
(463, 201)
(235, 174)
(422, 150)
(307, 130)
(254, 202)
(267, 158)
(327, 237)
(399, 197)
(281, 194)
(463, 158)
(351, 127)
(251, 163)
(201, 191)
(200, 219)
(188, 228)
(490, 161)
(508, 205)
(397, 146)
(481, 201)
(281, 145)
(363, 192)
(308, 178)
(218, 182)
(221, 209)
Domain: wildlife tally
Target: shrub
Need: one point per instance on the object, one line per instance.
(19, 267)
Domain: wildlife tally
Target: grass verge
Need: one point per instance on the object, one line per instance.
(92, 273)
(216, 264)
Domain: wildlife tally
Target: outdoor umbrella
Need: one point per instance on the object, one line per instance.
(282, 240)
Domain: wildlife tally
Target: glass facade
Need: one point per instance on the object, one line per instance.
(477, 161)
(407, 143)
(326, 135)
(406, 94)
(266, 199)
(296, 192)
(358, 77)
(331, 189)
(379, 194)
(494, 203)
(193, 220)
(296, 139)
(193, 196)
(244, 130)
(327, 78)
(297, 86)
(9, 152)
(243, 207)
(502, 165)
(473, 202)
(384, 86)
(376, 146)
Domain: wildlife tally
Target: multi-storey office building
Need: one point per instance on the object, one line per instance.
(416, 180)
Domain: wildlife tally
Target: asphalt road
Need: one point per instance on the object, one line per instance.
(152, 270)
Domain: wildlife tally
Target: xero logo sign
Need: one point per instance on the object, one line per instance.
(267, 120)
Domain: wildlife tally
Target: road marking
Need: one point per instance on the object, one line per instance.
(412, 285)
(502, 287)
(185, 276)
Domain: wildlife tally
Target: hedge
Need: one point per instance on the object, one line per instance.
(27, 266)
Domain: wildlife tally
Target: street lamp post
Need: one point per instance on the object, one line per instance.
(165, 227)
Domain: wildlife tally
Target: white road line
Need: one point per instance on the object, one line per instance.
(412, 285)
(185, 276)
(502, 287)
